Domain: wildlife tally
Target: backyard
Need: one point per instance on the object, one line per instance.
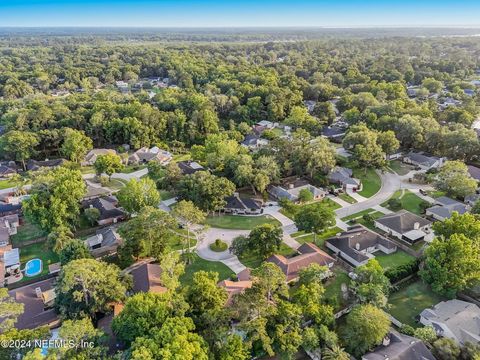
(333, 287)
(200, 264)
(40, 251)
(409, 301)
(239, 222)
(409, 201)
(395, 259)
(26, 232)
(254, 260)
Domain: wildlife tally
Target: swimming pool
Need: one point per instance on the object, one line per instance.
(33, 267)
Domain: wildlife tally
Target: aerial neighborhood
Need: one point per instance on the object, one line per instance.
(253, 197)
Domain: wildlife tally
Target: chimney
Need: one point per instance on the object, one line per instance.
(416, 226)
(38, 292)
(357, 246)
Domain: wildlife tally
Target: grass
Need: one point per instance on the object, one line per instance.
(395, 259)
(176, 242)
(26, 232)
(182, 157)
(371, 182)
(132, 168)
(409, 201)
(40, 251)
(436, 193)
(320, 237)
(198, 264)
(165, 194)
(347, 198)
(254, 260)
(239, 222)
(399, 167)
(358, 214)
(116, 184)
(369, 224)
(87, 170)
(329, 203)
(6, 184)
(333, 287)
(218, 246)
(409, 301)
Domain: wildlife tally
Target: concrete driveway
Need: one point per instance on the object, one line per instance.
(134, 175)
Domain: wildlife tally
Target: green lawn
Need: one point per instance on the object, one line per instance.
(6, 184)
(409, 301)
(320, 237)
(40, 251)
(369, 224)
(165, 194)
(132, 168)
(198, 264)
(26, 232)
(116, 184)
(239, 222)
(87, 170)
(333, 287)
(395, 259)
(358, 214)
(329, 203)
(176, 242)
(399, 167)
(371, 182)
(347, 198)
(253, 260)
(182, 157)
(409, 201)
(436, 193)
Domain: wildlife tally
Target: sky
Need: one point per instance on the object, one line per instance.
(230, 13)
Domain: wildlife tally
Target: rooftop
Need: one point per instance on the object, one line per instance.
(146, 278)
(403, 221)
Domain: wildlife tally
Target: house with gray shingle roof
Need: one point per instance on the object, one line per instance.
(454, 319)
(237, 204)
(474, 172)
(405, 225)
(343, 177)
(398, 346)
(291, 191)
(445, 207)
(423, 160)
(358, 244)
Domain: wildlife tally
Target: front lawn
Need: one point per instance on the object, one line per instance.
(369, 224)
(347, 198)
(399, 167)
(409, 201)
(132, 168)
(333, 287)
(328, 233)
(327, 202)
(409, 301)
(358, 214)
(239, 222)
(178, 242)
(392, 260)
(253, 261)
(26, 232)
(198, 264)
(371, 182)
(6, 184)
(40, 251)
(116, 184)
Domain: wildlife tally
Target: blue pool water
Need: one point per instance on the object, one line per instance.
(33, 267)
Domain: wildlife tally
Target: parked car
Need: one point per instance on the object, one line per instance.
(423, 192)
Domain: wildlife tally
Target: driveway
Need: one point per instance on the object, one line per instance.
(134, 175)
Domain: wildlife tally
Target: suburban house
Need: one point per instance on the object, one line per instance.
(144, 155)
(405, 225)
(242, 205)
(358, 244)
(146, 278)
(105, 242)
(344, 178)
(445, 207)
(291, 191)
(471, 199)
(423, 160)
(397, 346)
(267, 124)
(7, 171)
(107, 206)
(34, 165)
(474, 172)
(189, 167)
(8, 227)
(237, 287)
(309, 254)
(334, 133)
(9, 209)
(254, 142)
(94, 192)
(454, 319)
(38, 300)
(92, 155)
(9, 264)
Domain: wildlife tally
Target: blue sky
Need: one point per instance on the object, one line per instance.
(229, 13)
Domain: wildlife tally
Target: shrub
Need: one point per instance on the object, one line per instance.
(402, 271)
(218, 246)
(395, 204)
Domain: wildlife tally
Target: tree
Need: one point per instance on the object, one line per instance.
(454, 178)
(451, 265)
(325, 112)
(234, 349)
(19, 145)
(92, 215)
(434, 86)
(78, 332)
(305, 195)
(25, 335)
(138, 194)
(371, 285)
(205, 190)
(54, 200)
(188, 214)
(446, 349)
(265, 239)
(366, 326)
(466, 224)
(9, 310)
(108, 164)
(427, 334)
(319, 156)
(173, 340)
(74, 249)
(172, 268)
(314, 218)
(364, 144)
(144, 313)
(300, 118)
(388, 142)
(476, 208)
(147, 234)
(335, 353)
(75, 145)
(86, 287)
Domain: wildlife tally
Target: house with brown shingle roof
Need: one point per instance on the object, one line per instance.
(309, 254)
(146, 278)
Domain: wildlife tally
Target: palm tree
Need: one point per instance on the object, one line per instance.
(335, 353)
